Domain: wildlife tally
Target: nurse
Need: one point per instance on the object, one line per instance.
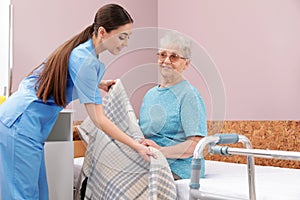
(73, 71)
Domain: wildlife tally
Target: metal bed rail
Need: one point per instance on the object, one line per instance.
(212, 142)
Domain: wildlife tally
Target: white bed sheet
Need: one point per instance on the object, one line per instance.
(272, 183)
(230, 179)
(78, 162)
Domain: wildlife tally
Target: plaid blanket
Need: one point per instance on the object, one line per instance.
(114, 170)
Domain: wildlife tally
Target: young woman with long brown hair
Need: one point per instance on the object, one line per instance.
(73, 71)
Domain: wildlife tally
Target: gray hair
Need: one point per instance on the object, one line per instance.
(176, 40)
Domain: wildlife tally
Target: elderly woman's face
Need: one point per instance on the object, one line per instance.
(171, 62)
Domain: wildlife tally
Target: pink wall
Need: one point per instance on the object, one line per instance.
(255, 45)
(246, 60)
(40, 26)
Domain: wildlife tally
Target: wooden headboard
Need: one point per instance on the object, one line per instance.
(79, 148)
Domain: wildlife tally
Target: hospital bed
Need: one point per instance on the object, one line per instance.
(224, 180)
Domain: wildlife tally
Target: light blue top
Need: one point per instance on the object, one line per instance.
(36, 118)
(170, 115)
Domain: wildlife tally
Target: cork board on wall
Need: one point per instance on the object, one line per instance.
(272, 135)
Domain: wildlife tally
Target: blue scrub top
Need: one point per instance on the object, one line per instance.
(34, 118)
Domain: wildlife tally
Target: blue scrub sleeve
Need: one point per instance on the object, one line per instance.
(193, 115)
(86, 75)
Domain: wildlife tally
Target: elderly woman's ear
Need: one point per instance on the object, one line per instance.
(187, 63)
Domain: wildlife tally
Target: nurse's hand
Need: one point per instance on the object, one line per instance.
(145, 152)
(150, 143)
(106, 84)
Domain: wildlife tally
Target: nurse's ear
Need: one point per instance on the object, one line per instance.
(101, 31)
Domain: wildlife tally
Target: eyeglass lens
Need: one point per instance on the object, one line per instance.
(162, 56)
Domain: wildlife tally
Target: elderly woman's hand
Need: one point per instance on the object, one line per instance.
(150, 143)
(145, 152)
(106, 84)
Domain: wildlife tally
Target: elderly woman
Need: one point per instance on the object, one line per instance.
(172, 115)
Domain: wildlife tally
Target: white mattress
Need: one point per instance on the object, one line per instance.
(272, 183)
(229, 179)
(78, 162)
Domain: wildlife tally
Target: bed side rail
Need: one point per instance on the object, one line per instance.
(199, 154)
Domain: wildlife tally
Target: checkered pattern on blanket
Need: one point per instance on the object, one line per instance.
(114, 170)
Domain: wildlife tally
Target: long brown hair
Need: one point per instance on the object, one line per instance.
(53, 79)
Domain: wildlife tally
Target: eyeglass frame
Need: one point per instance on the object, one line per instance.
(177, 57)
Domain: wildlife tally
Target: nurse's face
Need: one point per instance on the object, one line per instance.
(117, 39)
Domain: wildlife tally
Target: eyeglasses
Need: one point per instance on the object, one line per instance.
(163, 55)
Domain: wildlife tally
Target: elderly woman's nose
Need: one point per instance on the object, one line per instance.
(167, 60)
